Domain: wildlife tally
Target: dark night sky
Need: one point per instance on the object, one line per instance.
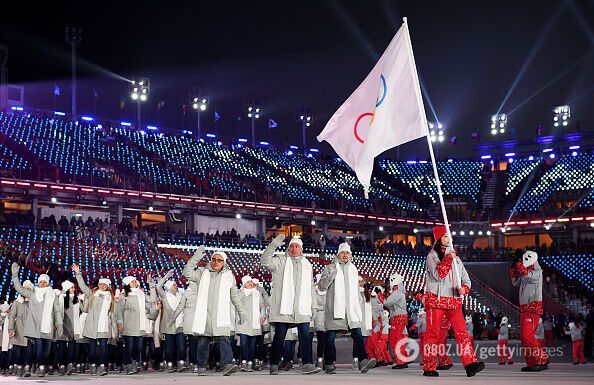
(311, 53)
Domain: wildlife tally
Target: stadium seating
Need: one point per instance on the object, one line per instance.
(569, 173)
(459, 178)
(519, 170)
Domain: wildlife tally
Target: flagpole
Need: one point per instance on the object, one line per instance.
(429, 144)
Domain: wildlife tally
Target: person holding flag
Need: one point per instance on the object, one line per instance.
(446, 282)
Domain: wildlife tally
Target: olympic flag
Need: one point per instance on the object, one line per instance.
(385, 111)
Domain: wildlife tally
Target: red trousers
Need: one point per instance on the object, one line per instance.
(371, 343)
(503, 351)
(397, 325)
(433, 338)
(382, 350)
(443, 358)
(549, 337)
(535, 355)
(578, 351)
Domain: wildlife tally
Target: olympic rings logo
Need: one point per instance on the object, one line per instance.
(372, 114)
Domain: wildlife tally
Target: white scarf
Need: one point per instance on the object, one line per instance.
(255, 294)
(157, 331)
(103, 322)
(173, 301)
(139, 294)
(202, 300)
(288, 291)
(340, 305)
(5, 338)
(47, 296)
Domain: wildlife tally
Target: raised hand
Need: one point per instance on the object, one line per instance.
(14, 268)
(199, 253)
(76, 269)
(278, 240)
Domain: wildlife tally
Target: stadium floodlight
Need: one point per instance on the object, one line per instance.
(498, 123)
(436, 132)
(199, 100)
(304, 118)
(253, 108)
(140, 89)
(561, 115)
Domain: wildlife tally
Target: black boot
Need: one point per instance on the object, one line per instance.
(474, 368)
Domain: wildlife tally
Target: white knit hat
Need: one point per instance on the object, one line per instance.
(28, 284)
(361, 279)
(169, 284)
(106, 281)
(572, 325)
(344, 247)
(395, 279)
(127, 280)
(43, 277)
(245, 279)
(504, 320)
(66, 285)
(296, 240)
(222, 254)
(529, 258)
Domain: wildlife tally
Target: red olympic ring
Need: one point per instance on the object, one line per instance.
(357, 123)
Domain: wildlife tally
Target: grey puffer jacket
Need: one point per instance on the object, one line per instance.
(128, 313)
(216, 278)
(167, 325)
(327, 283)
(530, 288)
(503, 332)
(438, 286)
(68, 320)
(396, 301)
(92, 305)
(187, 305)
(318, 306)
(16, 321)
(35, 313)
(276, 265)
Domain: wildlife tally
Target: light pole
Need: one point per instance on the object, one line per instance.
(254, 111)
(140, 90)
(561, 115)
(498, 123)
(436, 132)
(199, 101)
(74, 38)
(304, 117)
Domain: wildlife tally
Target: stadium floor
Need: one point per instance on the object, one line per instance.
(561, 371)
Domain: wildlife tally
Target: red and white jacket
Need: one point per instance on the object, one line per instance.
(440, 282)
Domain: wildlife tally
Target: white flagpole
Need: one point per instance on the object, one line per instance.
(433, 163)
